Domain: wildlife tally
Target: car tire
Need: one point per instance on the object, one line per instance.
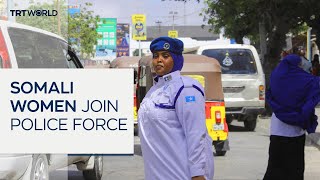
(229, 119)
(40, 168)
(96, 172)
(250, 122)
(136, 131)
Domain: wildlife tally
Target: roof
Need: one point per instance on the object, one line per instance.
(226, 46)
(192, 63)
(229, 46)
(125, 62)
(194, 32)
(30, 28)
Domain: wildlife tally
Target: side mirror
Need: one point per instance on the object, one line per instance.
(68, 57)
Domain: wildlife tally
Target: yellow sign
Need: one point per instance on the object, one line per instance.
(139, 27)
(173, 34)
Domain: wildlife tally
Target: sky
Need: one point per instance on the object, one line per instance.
(155, 10)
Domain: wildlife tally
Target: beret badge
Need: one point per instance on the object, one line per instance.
(166, 46)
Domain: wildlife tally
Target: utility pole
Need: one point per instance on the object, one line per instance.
(263, 42)
(159, 25)
(173, 13)
(59, 25)
(10, 6)
(184, 13)
(309, 55)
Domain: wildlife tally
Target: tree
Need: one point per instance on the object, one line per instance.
(48, 23)
(82, 31)
(3, 8)
(241, 18)
(235, 17)
(311, 16)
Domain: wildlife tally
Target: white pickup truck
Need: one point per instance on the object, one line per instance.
(243, 81)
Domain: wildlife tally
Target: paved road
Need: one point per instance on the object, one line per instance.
(246, 160)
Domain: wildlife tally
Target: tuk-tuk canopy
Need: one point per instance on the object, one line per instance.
(202, 68)
(125, 62)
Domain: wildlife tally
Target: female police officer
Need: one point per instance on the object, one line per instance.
(174, 139)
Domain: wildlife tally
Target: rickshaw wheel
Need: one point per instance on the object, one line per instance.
(221, 153)
(220, 150)
(136, 131)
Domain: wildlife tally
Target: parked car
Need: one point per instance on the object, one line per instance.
(23, 46)
(243, 81)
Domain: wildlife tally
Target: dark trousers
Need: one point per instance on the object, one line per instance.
(286, 158)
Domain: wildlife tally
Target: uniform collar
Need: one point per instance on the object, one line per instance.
(167, 78)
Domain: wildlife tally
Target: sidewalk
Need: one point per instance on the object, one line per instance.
(311, 139)
(315, 137)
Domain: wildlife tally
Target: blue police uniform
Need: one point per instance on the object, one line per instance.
(174, 139)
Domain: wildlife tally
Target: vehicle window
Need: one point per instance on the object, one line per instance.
(233, 61)
(36, 50)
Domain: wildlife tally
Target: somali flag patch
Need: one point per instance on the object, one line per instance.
(190, 99)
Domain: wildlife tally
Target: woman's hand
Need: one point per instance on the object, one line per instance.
(198, 178)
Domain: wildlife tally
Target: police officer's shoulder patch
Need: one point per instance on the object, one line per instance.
(190, 99)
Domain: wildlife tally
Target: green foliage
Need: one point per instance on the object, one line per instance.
(242, 17)
(311, 16)
(237, 18)
(82, 28)
(48, 23)
(3, 7)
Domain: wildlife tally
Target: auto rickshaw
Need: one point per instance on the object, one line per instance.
(129, 62)
(208, 72)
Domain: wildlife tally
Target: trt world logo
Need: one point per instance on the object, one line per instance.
(39, 12)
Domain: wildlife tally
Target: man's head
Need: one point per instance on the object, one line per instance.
(167, 55)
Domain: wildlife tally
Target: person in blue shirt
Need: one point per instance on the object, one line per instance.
(174, 140)
(293, 96)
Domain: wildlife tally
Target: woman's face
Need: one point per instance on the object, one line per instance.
(162, 62)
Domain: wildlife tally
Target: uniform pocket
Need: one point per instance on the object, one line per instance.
(165, 114)
(164, 110)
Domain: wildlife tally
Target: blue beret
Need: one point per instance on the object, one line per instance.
(167, 44)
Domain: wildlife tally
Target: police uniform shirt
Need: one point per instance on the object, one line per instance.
(174, 139)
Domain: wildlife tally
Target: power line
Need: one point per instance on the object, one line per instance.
(179, 17)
